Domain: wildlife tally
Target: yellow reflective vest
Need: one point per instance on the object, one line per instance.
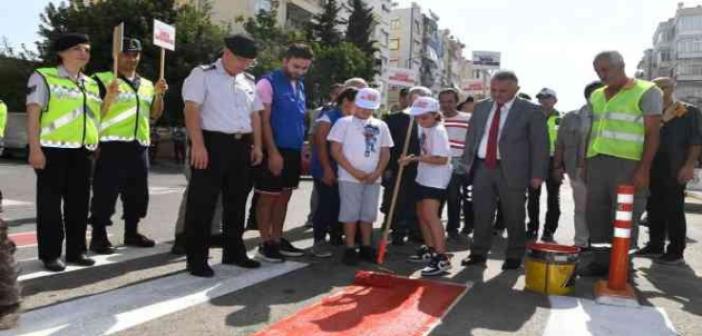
(552, 124)
(127, 119)
(3, 118)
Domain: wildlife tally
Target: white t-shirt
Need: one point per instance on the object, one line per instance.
(434, 142)
(361, 142)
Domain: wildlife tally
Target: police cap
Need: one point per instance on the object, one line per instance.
(242, 45)
(131, 44)
(68, 40)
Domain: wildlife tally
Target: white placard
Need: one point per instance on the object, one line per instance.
(486, 60)
(164, 35)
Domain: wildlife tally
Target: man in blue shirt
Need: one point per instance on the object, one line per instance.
(283, 123)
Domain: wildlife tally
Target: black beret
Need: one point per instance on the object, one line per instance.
(242, 45)
(69, 40)
(131, 44)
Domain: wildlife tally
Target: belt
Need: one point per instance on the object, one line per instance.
(236, 136)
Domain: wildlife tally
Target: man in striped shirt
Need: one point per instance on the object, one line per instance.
(456, 123)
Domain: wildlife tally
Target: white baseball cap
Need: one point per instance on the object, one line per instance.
(368, 98)
(545, 93)
(424, 105)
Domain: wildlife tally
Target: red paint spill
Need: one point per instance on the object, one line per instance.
(376, 304)
(22, 239)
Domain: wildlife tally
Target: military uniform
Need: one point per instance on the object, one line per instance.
(226, 103)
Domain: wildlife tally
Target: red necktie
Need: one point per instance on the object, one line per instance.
(491, 155)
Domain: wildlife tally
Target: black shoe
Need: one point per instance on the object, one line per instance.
(244, 262)
(650, 251)
(336, 239)
(138, 240)
(101, 245)
(178, 245)
(80, 260)
(592, 270)
(467, 231)
(512, 264)
(547, 237)
(531, 235)
(474, 260)
(350, 257)
(288, 250)
(438, 265)
(204, 271)
(54, 265)
(270, 252)
(670, 259)
(367, 254)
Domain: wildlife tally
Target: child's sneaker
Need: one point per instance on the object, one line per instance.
(350, 257)
(438, 265)
(422, 256)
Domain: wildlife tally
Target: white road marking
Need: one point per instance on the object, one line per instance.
(574, 317)
(15, 203)
(123, 308)
(34, 269)
(158, 191)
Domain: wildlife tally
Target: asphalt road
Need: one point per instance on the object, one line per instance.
(147, 292)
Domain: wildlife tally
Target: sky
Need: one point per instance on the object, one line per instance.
(551, 43)
(548, 43)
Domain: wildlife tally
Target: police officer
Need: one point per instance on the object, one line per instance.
(547, 99)
(223, 122)
(3, 123)
(63, 111)
(121, 167)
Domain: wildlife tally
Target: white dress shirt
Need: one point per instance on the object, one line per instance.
(226, 102)
(482, 149)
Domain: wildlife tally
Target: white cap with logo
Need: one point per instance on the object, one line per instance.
(424, 105)
(368, 98)
(545, 93)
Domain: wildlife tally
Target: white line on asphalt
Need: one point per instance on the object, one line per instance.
(34, 269)
(157, 191)
(123, 308)
(574, 317)
(14, 203)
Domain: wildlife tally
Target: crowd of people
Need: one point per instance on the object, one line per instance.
(485, 161)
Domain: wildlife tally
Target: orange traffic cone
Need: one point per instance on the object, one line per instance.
(617, 290)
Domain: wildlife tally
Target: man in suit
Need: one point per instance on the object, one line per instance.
(507, 153)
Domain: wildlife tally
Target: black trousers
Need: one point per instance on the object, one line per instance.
(553, 211)
(457, 200)
(666, 208)
(64, 181)
(228, 172)
(326, 217)
(121, 169)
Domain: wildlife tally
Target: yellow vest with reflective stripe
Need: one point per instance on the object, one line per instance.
(128, 117)
(3, 118)
(552, 122)
(72, 115)
(618, 124)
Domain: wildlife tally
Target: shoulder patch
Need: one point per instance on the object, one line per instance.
(31, 89)
(249, 76)
(208, 67)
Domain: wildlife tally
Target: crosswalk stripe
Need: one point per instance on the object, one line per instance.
(120, 309)
(574, 317)
(15, 203)
(33, 269)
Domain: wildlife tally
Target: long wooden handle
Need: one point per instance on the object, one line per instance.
(163, 63)
(395, 192)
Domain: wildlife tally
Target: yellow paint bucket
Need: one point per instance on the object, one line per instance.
(550, 268)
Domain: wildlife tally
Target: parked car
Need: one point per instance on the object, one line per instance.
(16, 144)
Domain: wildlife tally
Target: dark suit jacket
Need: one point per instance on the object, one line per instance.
(397, 124)
(523, 144)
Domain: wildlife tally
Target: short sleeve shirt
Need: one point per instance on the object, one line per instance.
(361, 142)
(226, 102)
(434, 141)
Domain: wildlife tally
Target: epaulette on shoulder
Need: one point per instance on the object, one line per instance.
(208, 67)
(249, 76)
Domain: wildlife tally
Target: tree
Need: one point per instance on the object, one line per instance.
(324, 26)
(272, 40)
(361, 26)
(15, 68)
(334, 64)
(198, 40)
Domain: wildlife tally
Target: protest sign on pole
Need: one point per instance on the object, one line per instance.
(117, 40)
(164, 37)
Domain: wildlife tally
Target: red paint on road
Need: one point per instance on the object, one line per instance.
(23, 239)
(376, 304)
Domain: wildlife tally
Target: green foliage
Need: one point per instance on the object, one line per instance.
(334, 64)
(324, 26)
(271, 39)
(361, 26)
(15, 68)
(198, 40)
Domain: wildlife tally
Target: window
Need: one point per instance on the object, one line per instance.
(690, 23)
(263, 5)
(394, 44)
(395, 24)
(690, 45)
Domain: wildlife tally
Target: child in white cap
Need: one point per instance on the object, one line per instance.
(361, 147)
(433, 176)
